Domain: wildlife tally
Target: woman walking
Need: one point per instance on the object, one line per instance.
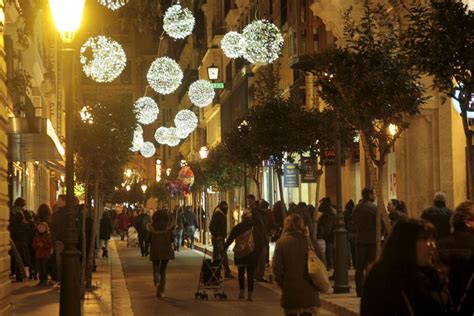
(247, 261)
(405, 281)
(299, 296)
(105, 230)
(161, 239)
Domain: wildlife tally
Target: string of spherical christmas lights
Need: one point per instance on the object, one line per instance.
(113, 4)
(137, 140)
(147, 149)
(102, 59)
(201, 93)
(164, 75)
(178, 21)
(186, 121)
(262, 42)
(231, 44)
(146, 110)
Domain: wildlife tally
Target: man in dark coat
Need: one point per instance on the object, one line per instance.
(364, 215)
(58, 231)
(261, 231)
(190, 225)
(140, 225)
(326, 226)
(439, 215)
(218, 229)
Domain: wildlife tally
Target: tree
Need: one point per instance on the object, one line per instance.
(220, 170)
(371, 85)
(440, 41)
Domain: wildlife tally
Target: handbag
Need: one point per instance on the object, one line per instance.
(317, 270)
(244, 244)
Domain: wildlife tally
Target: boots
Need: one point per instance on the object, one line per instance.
(105, 253)
(250, 296)
(241, 294)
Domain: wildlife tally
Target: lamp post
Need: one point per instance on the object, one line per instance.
(67, 16)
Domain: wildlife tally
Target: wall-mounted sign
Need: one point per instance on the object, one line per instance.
(308, 171)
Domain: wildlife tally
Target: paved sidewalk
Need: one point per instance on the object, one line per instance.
(29, 299)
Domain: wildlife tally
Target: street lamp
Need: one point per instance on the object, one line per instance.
(144, 187)
(203, 152)
(213, 72)
(67, 16)
(392, 129)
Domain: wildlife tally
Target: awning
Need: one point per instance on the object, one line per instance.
(33, 139)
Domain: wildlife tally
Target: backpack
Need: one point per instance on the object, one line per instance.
(244, 244)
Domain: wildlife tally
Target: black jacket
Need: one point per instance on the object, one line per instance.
(218, 225)
(439, 217)
(190, 219)
(141, 223)
(106, 228)
(59, 224)
(364, 221)
(258, 237)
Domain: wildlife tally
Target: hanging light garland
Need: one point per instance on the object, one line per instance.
(113, 4)
(137, 140)
(262, 42)
(186, 121)
(164, 75)
(161, 135)
(146, 110)
(102, 59)
(231, 44)
(147, 149)
(201, 93)
(178, 21)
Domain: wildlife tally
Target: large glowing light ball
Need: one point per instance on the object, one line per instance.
(182, 133)
(231, 44)
(147, 149)
(261, 42)
(113, 4)
(161, 135)
(201, 93)
(146, 110)
(178, 22)
(137, 140)
(102, 59)
(173, 138)
(186, 121)
(164, 75)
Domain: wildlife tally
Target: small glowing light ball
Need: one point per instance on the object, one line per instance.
(146, 110)
(173, 138)
(147, 149)
(186, 121)
(201, 93)
(178, 22)
(261, 42)
(161, 135)
(231, 44)
(186, 175)
(102, 59)
(113, 4)
(137, 140)
(164, 75)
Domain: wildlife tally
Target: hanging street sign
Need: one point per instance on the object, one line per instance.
(218, 85)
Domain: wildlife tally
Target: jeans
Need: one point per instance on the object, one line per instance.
(250, 277)
(178, 238)
(189, 232)
(351, 247)
(123, 233)
(219, 253)
(159, 273)
(260, 271)
(365, 255)
(104, 243)
(58, 249)
(42, 268)
(144, 244)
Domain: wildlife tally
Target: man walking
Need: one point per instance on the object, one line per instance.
(58, 231)
(141, 226)
(260, 233)
(364, 215)
(190, 225)
(439, 215)
(218, 229)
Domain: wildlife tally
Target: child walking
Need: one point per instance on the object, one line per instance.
(42, 244)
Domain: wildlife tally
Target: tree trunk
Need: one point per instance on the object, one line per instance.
(469, 154)
(319, 173)
(282, 197)
(83, 254)
(256, 179)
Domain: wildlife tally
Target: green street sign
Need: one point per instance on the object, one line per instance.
(218, 85)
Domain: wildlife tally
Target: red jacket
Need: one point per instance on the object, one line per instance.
(42, 245)
(123, 221)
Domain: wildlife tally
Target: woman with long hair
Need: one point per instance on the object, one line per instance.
(299, 296)
(406, 281)
(161, 238)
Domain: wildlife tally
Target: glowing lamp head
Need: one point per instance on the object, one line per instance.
(393, 129)
(67, 16)
(144, 187)
(203, 152)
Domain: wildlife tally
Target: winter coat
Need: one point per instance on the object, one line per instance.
(141, 223)
(161, 243)
(20, 233)
(382, 293)
(259, 241)
(349, 223)
(457, 253)
(106, 228)
(259, 222)
(326, 223)
(123, 221)
(364, 221)
(290, 268)
(43, 244)
(218, 225)
(439, 217)
(190, 219)
(180, 220)
(59, 224)
(397, 215)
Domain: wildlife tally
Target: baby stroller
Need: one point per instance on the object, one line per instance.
(132, 237)
(209, 279)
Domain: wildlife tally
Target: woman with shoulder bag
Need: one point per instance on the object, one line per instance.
(248, 244)
(299, 296)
